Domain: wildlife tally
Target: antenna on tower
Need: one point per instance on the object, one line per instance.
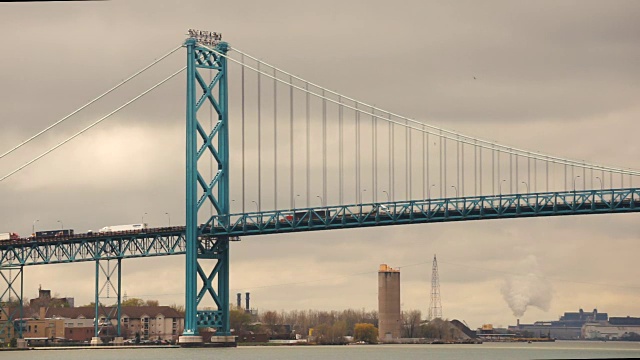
(435, 306)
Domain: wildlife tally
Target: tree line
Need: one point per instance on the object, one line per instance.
(331, 327)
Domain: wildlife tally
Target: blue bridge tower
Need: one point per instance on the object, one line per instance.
(205, 52)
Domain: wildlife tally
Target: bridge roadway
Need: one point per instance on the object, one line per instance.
(171, 240)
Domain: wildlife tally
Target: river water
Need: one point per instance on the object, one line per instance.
(510, 351)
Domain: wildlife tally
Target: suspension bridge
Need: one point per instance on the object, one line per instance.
(310, 159)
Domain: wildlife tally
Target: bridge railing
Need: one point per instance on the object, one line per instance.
(428, 210)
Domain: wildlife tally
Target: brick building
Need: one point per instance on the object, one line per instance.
(151, 322)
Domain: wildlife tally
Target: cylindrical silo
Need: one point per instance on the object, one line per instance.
(389, 318)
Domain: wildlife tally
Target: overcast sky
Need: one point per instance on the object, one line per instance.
(558, 77)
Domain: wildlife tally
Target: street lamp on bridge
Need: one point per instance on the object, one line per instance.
(321, 201)
(456, 189)
(294, 202)
(500, 187)
(601, 183)
(388, 197)
(61, 225)
(257, 206)
(429, 190)
(33, 227)
(574, 183)
(527, 185)
(169, 216)
(143, 217)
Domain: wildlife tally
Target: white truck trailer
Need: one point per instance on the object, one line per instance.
(8, 236)
(118, 228)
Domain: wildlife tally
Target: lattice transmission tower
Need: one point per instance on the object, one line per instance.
(435, 306)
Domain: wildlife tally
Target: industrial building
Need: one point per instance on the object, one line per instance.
(617, 328)
(389, 316)
(45, 300)
(568, 327)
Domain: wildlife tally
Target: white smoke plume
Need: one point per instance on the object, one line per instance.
(529, 289)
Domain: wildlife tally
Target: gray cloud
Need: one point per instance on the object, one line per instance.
(556, 77)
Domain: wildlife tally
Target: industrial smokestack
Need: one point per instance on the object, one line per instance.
(248, 308)
(239, 301)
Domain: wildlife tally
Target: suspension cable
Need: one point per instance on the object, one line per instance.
(451, 134)
(92, 125)
(492, 144)
(90, 102)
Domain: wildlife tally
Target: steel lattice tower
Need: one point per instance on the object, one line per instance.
(213, 144)
(435, 306)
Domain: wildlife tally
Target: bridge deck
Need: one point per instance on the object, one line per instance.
(171, 241)
(429, 211)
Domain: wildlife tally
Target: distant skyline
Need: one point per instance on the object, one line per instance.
(556, 77)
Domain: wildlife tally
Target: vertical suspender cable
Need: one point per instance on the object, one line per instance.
(341, 149)
(275, 140)
(357, 121)
(517, 177)
(499, 173)
(308, 115)
(495, 147)
(475, 169)
(611, 180)
(428, 184)
(324, 149)
(392, 136)
(529, 172)
(424, 166)
(357, 154)
(458, 164)
(389, 154)
(259, 143)
(374, 161)
(462, 169)
(547, 175)
(441, 166)
(573, 177)
(480, 170)
(407, 136)
(493, 170)
(444, 158)
(511, 173)
(291, 180)
(535, 175)
(243, 133)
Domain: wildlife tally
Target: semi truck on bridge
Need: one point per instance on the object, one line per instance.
(9, 236)
(118, 228)
(54, 233)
